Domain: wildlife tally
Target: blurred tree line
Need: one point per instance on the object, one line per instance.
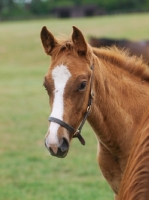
(20, 9)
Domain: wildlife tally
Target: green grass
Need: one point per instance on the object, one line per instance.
(27, 171)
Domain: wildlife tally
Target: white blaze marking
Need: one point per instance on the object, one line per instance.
(60, 75)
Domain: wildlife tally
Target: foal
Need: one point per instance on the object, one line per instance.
(104, 86)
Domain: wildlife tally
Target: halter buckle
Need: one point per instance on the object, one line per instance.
(88, 109)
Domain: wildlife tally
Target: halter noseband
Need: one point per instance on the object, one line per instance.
(77, 133)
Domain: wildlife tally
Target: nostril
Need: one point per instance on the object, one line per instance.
(64, 145)
(51, 151)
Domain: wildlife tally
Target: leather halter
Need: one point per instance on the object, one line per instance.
(77, 133)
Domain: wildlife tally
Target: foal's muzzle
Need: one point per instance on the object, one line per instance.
(60, 151)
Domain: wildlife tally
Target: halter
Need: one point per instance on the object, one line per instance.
(77, 133)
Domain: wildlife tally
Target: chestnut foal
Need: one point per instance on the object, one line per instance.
(106, 87)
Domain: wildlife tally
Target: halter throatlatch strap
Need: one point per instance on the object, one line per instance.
(77, 133)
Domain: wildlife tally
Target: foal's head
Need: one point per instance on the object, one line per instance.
(68, 84)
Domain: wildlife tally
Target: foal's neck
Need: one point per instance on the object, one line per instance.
(114, 111)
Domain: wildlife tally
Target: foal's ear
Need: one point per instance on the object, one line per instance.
(79, 41)
(48, 40)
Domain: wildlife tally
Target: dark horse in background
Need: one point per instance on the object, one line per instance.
(138, 48)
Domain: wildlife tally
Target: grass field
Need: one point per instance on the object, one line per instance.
(27, 171)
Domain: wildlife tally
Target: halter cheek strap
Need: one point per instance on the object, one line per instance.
(77, 133)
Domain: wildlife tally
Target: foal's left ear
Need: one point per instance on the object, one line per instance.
(79, 41)
(48, 40)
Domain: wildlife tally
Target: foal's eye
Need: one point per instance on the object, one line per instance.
(82, 85)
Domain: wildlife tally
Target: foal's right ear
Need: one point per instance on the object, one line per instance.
(48, 40)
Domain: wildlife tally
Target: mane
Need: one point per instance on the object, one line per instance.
(121, 58)
(135, 182)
